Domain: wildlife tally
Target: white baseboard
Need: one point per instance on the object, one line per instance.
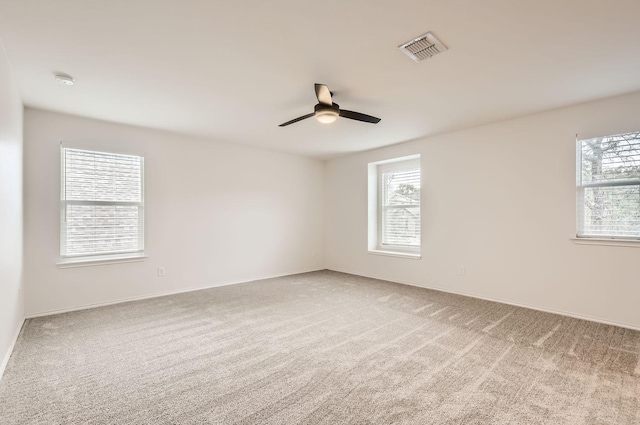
(7, 356)
(529, 306)
(160, 294)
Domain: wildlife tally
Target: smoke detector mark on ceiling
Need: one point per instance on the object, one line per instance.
(423, 47)
(64, 79)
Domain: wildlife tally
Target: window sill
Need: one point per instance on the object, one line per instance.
(633, 243)
(100, 260)
(410, 255)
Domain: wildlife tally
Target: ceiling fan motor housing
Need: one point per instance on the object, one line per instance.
(326, 113)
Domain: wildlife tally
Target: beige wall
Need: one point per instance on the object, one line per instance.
(11, 290)
(498, 200)
(215, 213)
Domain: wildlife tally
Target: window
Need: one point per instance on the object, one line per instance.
(394, 196)
(102, 206)
(608, 187)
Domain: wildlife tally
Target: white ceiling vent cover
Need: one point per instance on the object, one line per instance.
(423, 47)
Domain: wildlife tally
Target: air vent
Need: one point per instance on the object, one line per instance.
(423, 47)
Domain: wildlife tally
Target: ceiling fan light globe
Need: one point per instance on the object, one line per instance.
(326, 116)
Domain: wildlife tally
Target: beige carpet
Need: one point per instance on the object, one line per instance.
(320, 348)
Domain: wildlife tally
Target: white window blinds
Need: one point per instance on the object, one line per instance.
(399, 185)
(102, 204)
(608, 186)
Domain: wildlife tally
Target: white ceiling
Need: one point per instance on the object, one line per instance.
(233, 71)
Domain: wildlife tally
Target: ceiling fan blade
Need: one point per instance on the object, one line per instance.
(304, 117)
(358, 116)
(323, 94)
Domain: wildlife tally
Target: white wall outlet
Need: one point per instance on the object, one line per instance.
(161, 271)
(461, 271)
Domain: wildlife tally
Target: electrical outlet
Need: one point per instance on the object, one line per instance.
(461, 271)
(161, 271)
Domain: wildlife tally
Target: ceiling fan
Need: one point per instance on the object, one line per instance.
(327, 112)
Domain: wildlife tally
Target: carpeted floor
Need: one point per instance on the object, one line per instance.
(320, 348)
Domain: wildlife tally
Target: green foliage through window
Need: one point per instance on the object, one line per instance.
(401, 207)
(609, 186)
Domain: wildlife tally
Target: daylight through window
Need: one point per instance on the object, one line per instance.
(608, 186)
(102, 204)
(397, 211)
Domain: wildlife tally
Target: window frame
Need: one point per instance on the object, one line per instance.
(581, 234)
(376, 207)
(72, 260)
